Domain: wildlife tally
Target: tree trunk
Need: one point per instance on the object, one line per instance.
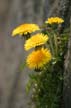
(65, 13)
(67, 76)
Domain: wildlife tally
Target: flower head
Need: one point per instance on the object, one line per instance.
(54, 20)
(37, 59)
(25, 28)
(36, 40)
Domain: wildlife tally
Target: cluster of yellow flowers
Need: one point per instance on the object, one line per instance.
(40, 56)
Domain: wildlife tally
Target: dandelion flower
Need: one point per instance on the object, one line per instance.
(54, 20)
(35, 40)
(37, 59)
(25, 29)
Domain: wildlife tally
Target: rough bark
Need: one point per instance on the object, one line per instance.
(67, 75)
(65, 13)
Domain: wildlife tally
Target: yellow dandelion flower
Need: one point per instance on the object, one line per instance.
(35, 40)
(53, 20)
(25, 28)
(37, 59)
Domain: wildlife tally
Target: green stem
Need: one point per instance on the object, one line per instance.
(51, 44)
(56, 45)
